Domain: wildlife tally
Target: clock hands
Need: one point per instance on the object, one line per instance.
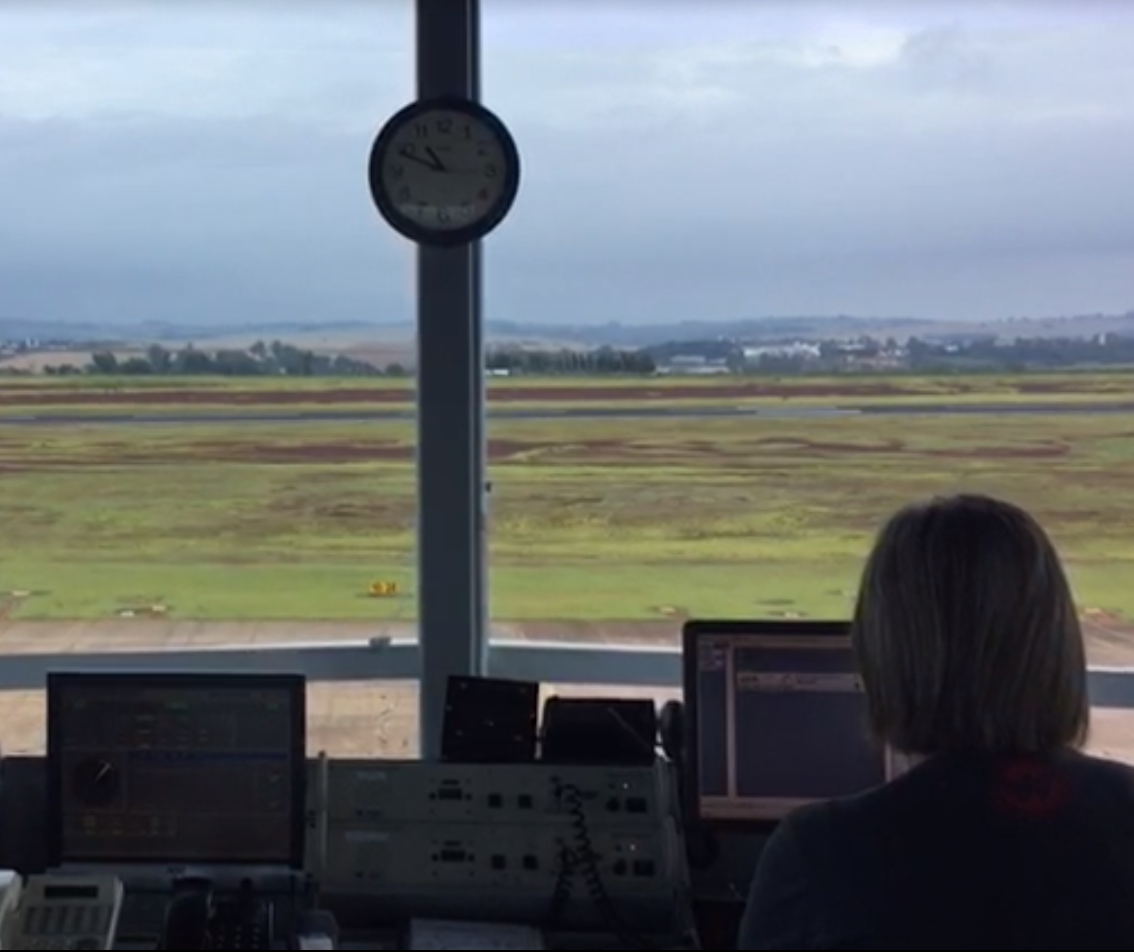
(411, 156)
(466, 178)
(431, 160)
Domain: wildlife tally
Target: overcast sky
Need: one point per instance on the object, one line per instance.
(684, 159)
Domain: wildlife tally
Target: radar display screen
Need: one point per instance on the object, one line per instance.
(176, 768)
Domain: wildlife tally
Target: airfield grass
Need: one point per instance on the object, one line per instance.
(602, 520)
(70, 396)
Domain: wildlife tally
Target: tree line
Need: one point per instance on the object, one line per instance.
(978, 354)
(1023, 354)
(281, 359)
(566, 362)
(276, 359)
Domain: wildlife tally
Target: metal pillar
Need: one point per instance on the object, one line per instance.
(483, 612)
(450, 373)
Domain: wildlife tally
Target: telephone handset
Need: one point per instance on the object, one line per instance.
(197, 919)
(186, 923)
(59, 912)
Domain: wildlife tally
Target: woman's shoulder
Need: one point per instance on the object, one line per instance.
(957, 787)
(1099, 764)
(823, 820)
(1099, 773)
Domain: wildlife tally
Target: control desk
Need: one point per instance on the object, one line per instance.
(183, 811)
(187, 806)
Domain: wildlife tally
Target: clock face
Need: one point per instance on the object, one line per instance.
(444, 171)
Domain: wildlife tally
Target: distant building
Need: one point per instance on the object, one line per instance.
(694, 365)
(801, 349)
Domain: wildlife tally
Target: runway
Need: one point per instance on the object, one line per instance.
(572, 413)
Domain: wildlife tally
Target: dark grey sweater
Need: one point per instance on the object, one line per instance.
(959, 853)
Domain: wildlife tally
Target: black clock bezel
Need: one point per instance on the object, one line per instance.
(444, 237)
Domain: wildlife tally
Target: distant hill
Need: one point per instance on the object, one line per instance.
(149, 332)
(815, 328)
(357, 336)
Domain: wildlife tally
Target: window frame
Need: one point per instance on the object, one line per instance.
(453, 569)
(399, 659)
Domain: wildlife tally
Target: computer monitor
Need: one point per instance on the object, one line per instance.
(775, 719)
(202, 769)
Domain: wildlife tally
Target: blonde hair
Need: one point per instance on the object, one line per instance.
(967, 635)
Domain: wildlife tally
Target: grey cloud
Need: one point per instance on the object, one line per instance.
(196, 220)
(948, 56)
(957, 166)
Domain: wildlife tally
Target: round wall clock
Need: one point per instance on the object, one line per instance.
(444, 172)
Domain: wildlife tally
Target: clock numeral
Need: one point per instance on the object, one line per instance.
(445, 126)
(468, 130)
(443, 216)
(397, 171)
(421, 130)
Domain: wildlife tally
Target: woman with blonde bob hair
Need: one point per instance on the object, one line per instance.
(1003, 834)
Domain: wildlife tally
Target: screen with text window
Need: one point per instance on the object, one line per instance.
(780, 722)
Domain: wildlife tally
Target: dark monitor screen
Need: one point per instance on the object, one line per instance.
(176, 768)
(776, 718)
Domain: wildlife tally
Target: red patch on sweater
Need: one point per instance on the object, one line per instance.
(1029, 788)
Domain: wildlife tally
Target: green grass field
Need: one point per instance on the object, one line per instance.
(591, 519)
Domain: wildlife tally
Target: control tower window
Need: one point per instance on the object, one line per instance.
(207, 404)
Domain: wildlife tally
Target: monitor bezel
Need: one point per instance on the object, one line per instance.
(295, 685)
(693, 633)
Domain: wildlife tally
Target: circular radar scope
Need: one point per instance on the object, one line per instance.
(95, 782)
